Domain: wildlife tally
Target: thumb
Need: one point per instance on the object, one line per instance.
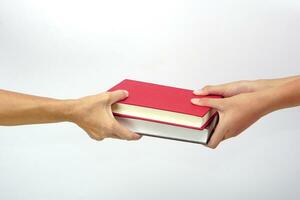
(209, 102)
(117, 95)
(211, 89)
(217, 136)
(124, 133)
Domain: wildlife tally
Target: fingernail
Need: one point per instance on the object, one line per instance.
(199, 92)
(195, 101)
(136, 136)
(126, 93)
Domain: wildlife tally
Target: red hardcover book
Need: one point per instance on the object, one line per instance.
(155, 110)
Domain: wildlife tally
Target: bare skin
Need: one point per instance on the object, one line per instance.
(245, 102)
(92, 113)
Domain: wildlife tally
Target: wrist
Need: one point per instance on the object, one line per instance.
(262, 102)
(269, 83)
(269, 100)
(263, 84)
(67, 110)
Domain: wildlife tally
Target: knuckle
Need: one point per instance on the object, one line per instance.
(205, 101)
(224, 104)
(111, 125)
(96, 137)
(212, 146)
(106, 97)
(207, 87)
(126, 136)
(99, 139)
(130, 137)
(122, 136)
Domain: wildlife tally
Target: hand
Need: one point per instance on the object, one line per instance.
(94, 115)
(239, 109)
(244, 103)
(236, 114)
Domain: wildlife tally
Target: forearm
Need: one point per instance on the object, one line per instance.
(279, 81)
(285, 96)
(288, 95)
(19, 109)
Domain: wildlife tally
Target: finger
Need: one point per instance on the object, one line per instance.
(117, 95)
(91, 134)
(209, 102)
(212, 89)
(95, 136)
(216, 137)
(124, 133)
(115, 136)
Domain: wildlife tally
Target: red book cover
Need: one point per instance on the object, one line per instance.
(161, 97)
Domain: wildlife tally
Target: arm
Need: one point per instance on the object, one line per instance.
(239, 111)
(92, 113)
(285, 96)
(238, 87)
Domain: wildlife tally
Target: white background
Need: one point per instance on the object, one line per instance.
(68, 49)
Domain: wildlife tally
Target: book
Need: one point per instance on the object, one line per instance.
(166, 131)
(164, 111)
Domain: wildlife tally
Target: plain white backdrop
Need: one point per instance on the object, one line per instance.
(68, 49)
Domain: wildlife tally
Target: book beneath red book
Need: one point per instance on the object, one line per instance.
(153, 109)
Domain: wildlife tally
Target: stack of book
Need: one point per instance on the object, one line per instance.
(165, 112)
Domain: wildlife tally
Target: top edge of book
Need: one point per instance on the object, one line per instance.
(161, 97)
